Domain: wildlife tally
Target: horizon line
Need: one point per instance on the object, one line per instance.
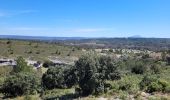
(82, 36)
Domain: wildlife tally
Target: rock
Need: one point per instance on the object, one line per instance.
(144, 94)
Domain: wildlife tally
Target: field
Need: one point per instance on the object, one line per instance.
(36, 50)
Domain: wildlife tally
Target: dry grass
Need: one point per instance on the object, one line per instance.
(36, 50)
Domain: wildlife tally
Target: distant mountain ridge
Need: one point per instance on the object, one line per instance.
(39, 37)
(46, 38)
(136, 36)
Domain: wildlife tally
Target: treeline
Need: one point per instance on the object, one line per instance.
(154, 44)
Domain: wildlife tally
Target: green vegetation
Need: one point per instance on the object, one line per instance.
(21, 81)
(5, 70)
(21, 66)
(35, 49)
(93, 71)
(48, 63)
(58, 77)
(93, 75)
(21, 84)
(153, 44)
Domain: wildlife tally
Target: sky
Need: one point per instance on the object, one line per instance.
(85, 18)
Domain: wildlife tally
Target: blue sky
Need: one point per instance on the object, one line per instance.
(85, 18)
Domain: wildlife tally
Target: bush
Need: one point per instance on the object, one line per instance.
(54, 78)
(86, 68)
(146, 81)
(48, 63)
(37, 52)
(167, 89)
(57, 52)
(70, 77)
(59, 77)
(100, 88)
(153, 84)
(93, 71)
(108, 68)
(8, 42)
(165, 86)
(21, 66)
(155, 68)
(124, 85)
(111, 50)
(145, 56)
(168, 60)
(129, 83)
(139, 68)
(21, 84)
(29, 52)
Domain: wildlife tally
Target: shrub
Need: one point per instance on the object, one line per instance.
(165, 86)
(146, 81)
(70, 76)
(48, 63)
(129, 83)
(99, 87)
(54, 78)
(153, 87)
(69, 54)
(155, 68)
(153, 84)
(21, 84)
(29, 52)
(114, 86)
(21, 66)
(73, 49)
(145, 56)
(108, 68)
(167, 89)
(87, 71)
(37, 52)
(93, 71)
(57, 52)
(59, 77)
(168, 60)
(111, 50)
(124, 85)
(8, 42)
(139, 68)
